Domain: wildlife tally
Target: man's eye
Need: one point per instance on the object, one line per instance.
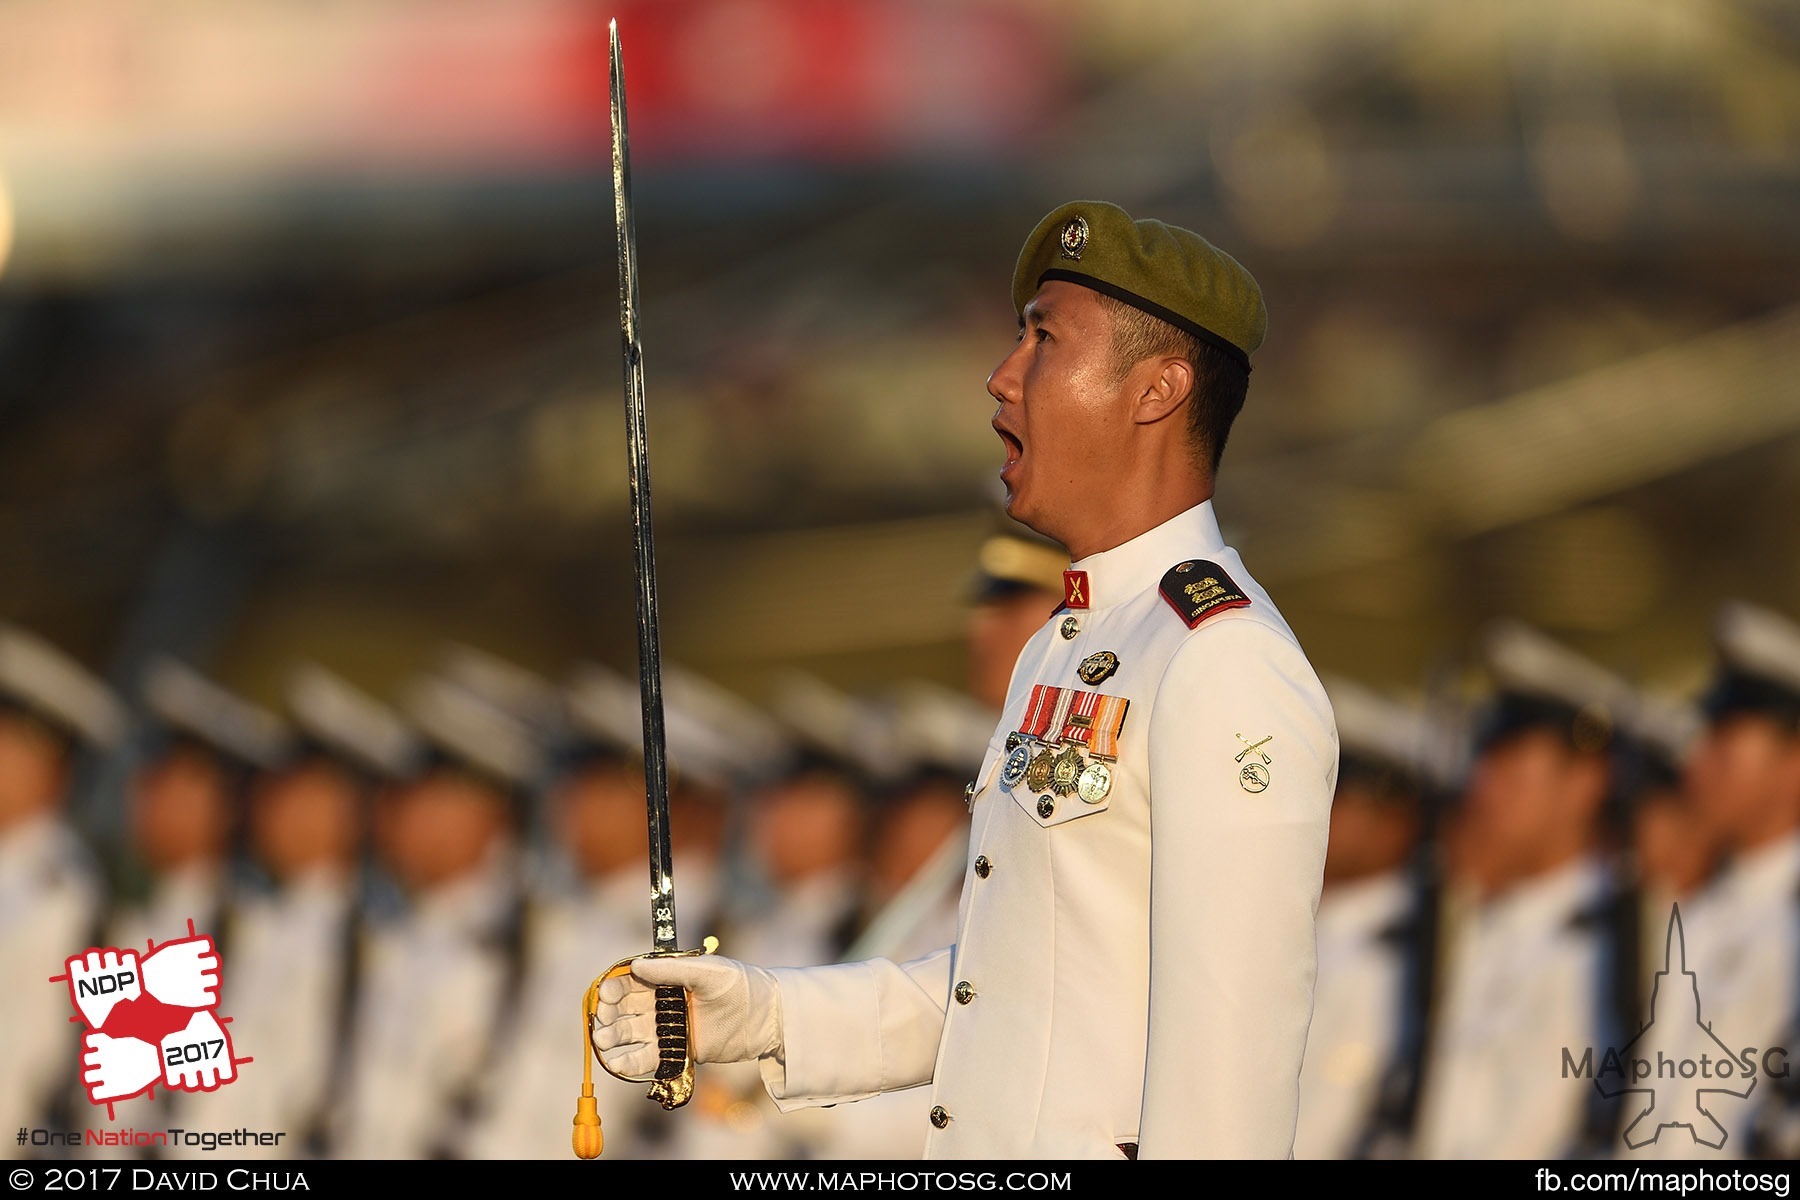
(1043, 335)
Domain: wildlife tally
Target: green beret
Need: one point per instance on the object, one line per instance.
(1166, 271)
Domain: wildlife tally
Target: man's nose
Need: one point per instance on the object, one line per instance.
(1003, 381)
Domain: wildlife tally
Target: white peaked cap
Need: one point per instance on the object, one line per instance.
(38, 676)
(183, 700)
(468, 729)
(937, 728)
(349, 723)
(1524, 661)
(1759, 642)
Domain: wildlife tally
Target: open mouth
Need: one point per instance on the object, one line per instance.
(1015, 449)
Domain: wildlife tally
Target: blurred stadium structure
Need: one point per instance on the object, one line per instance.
(306, 317)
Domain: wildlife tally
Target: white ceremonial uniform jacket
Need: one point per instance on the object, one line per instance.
(50, 897)
(282, 980)
(1357, 1012)
(1523, 981)
(1135, 969)
(430, 993)
(1741, 938)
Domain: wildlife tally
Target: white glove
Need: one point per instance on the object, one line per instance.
(184, 973)
(198, 1058)
(100, 979)
(734, 1013)
(114, 1068)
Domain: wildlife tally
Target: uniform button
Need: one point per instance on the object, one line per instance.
(968, 791)
(1046, 806)
(982, 865)
(1070, 627)
(965, 992)
(939, 1117)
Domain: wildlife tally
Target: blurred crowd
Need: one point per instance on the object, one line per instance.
(410, 894)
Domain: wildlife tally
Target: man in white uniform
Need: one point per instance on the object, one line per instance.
(1534, 967)
(436, 982)
(1743, 932)
(1375, 934)
(1134, 961)
(291, 971)
(50, 888)
(187, 800)
(595, 800)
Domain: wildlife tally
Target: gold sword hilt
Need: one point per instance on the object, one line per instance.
(673, 1083)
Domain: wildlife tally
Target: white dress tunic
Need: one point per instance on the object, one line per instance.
(1134, 967)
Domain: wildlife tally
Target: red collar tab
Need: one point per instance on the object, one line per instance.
(1075, 589)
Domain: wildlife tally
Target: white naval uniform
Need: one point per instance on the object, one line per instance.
(1523, 975)
(50, 897)
(281, 981)
(526, 1109)
(1140, 969)
(1742, 938)
(887, 1126)
(425, 1020)
(192, 892)
(731, 1116)
(1356, 1012)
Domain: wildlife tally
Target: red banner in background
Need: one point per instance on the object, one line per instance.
(254, 85)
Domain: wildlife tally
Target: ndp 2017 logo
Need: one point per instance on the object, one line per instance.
(150, 1020)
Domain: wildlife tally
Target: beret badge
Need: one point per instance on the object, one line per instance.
(1074, 238)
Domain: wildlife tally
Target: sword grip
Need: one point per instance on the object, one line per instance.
(673, 1083)
(671, 1031)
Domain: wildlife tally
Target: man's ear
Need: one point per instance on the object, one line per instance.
(1166, 383)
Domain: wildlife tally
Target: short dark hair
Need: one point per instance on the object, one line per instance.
(1220, 384)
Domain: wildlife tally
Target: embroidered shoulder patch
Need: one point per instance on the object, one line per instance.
(1197, 589)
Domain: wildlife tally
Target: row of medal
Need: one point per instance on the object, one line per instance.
(1065, 743)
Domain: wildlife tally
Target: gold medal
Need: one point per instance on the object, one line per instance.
(1094, 783)
(1065, 770)
(1037, 773)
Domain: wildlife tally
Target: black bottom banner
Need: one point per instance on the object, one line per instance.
(713, 1177)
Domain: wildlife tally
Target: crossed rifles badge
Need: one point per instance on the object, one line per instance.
(1254, 775)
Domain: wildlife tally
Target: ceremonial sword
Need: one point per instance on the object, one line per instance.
(673, 1082)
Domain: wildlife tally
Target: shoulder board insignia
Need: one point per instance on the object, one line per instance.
(1197, 589)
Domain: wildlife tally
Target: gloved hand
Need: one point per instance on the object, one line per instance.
(734, 1013)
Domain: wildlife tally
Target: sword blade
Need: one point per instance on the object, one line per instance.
(643, 547)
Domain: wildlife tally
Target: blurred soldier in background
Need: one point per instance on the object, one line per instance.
(806, 828)
(1536, 964)
(1375, 932)
(1743, 932)
(438, 980)
(587, 911)
(1018, 584)
(802, 895)
(721, 748)
(187, 801)
(917, 853)
(916, 860)
(1676, 849)
(51, 891)
(600, 913)
(289, 982)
